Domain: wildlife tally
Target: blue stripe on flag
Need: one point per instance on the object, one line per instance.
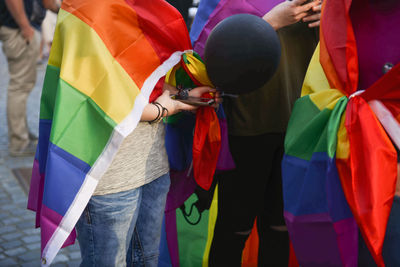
(204, 11)
(43, 144)
(64, 176)
(304, 184)
(338, 207)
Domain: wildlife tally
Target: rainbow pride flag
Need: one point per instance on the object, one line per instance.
(340, 164)
(105, 64)
(188, 232)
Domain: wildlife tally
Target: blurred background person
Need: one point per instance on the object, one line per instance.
(20, 22)
(48, 28)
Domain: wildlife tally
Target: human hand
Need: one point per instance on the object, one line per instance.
(289, 12)
(206, 91)
(28, 33)
(314, 17)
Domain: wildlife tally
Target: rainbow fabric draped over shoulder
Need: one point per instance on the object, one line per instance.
(106, 60)
(188, 236)
(340, 164)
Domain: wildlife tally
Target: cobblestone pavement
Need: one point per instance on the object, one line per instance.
(19, 240)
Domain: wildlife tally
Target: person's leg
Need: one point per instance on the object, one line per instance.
(273, 234)
(105, 228)
(146, 240)
(240, 199)
(21, 58)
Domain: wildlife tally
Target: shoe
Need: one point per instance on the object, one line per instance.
(26, 152)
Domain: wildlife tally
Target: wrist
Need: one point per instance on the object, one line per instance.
(271, 21)
(162, 112)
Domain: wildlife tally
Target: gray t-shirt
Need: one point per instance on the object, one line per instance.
(141, 159)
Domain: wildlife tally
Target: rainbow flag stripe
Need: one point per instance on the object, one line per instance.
(105, 63)
(340, 166)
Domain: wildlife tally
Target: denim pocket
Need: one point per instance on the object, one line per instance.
(87, 215)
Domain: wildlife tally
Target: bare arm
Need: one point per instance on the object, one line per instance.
(289, 12)
(17, 10)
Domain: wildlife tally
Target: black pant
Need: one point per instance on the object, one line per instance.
(253, 189)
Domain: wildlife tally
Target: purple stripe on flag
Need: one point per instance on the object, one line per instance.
(225, 160)
(49, 223)
(314, 239)
(347, 236)
(66, 174)
(36, 191)
(226, 8)
(182, 187)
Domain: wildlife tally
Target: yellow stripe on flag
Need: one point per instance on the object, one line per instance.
(212, 218)
(88, 66)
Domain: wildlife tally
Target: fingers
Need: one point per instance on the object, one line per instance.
(317, 8)
(301, 16)
(312, 17)
(308, 6)
(198, 91)
(299, 2)
(314, 24)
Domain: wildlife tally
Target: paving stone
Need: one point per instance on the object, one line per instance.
(8, 262)
(31, 264)
(19, 212)
(74, 263)
(10, 221)
(33, 246)
(4, 214)
(15, 251)
(7, 229)
(29, 216)
(10, 245)
(30, 256)
(21, 203)
(26, 225)
(75, 255)
(60, 258)
(7, 207)
(12, 236)
(31, 239)
(31, 231)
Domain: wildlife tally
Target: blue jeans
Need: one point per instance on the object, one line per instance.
(123, 229)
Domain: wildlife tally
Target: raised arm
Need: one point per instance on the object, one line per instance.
(290, 12)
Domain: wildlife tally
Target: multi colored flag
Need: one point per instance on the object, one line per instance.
(340, 164)
(105, 65)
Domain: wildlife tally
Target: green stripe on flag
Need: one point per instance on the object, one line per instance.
(192, 239)
(313, 130)
(49, 92)
(79, 126)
